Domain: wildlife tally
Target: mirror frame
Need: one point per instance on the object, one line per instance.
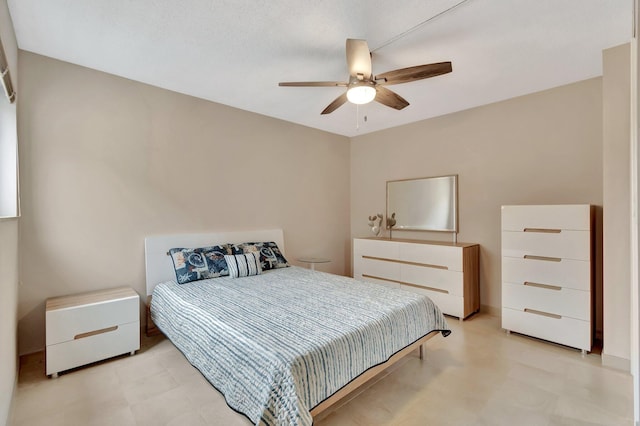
(453, 188)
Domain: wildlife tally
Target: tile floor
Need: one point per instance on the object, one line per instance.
(478, 375)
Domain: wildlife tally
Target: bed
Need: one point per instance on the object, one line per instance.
(284, 345)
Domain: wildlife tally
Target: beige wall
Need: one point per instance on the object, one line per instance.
(8, 239)
(106, 161)
(616, 90)
(544, 148)
(8, 313)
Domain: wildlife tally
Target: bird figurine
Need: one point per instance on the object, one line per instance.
(375, 228)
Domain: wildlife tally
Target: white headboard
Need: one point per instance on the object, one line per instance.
(158, 264)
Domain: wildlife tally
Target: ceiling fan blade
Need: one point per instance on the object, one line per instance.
(358, 58)
(337, 103)
(312, 83)
(419, 72)
(390, 99)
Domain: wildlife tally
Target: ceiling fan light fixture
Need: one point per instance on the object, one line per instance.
(361, 94)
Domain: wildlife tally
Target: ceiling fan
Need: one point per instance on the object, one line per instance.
(363, 87)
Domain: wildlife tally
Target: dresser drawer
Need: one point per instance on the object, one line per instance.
(63, 356)
(448, 304)
(564, 302)
(379, 268)
(66, 323)
(431, 254)
(566, 331)
(391, 284)
(376, 248)
(442, 279)
(566, 244)
(567, 273)
(570, 217)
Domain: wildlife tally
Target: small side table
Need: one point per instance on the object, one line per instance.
(89, 327)
(313, 260)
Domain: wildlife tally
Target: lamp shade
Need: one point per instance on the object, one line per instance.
(361, 94)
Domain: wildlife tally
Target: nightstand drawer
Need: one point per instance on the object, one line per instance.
(123, 339)
(66, 323)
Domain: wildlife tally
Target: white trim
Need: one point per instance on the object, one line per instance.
(618, 363)
(158, 265)
(634, 364)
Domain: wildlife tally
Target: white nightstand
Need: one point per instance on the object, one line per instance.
(313, 260)
(90, 327)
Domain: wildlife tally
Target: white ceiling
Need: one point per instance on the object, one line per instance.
(235, 52)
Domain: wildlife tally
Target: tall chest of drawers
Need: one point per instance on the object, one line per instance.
(446, 272)
(547, 272)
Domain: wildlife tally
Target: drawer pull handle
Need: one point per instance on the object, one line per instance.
(426, 265)
(547, 286)
(93, 333)
(541, 313)
(439, 290)
(545, 258)
(543, 230)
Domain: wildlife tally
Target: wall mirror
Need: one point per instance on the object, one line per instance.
(425, 204)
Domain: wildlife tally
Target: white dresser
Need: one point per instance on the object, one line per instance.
(446, 272)
(547, 272)
(88, 327)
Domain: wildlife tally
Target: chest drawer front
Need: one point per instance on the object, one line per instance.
(574, 217)
(376, 248)
(431, 254)
(566, 331)
(565, 302)
(64, 324)
(442, 279)
(567, 273)
(379, 268)
(566, 244)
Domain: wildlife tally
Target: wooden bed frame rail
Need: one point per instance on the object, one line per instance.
(369, 374)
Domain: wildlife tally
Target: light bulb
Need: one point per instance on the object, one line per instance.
(361, 94)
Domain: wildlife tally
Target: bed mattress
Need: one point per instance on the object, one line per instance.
(277, 344)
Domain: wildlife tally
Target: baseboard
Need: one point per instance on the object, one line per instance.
(618, 363)
(491, 310)
(13, 396)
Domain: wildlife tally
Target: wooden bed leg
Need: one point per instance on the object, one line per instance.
(422, 351)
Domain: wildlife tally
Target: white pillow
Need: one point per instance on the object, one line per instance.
(243, 265)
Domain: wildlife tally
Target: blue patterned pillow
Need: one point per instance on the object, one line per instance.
(199, 263)
(270, 255)
(243, 265)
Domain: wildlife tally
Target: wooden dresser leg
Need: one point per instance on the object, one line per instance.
(422, 351)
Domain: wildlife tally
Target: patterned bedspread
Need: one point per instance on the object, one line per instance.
(277, 344)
